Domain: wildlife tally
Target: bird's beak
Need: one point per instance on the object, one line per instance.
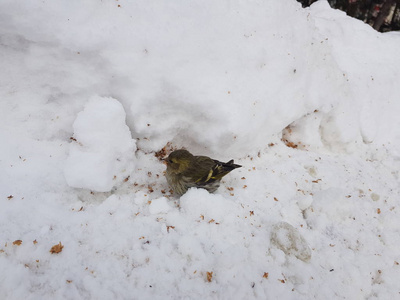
(164, 161)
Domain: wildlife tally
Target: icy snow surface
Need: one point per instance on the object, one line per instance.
(307, 100)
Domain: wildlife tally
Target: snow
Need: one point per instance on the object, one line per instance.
(288, 239)
(159, 206)
(103, 147)
(90, 91)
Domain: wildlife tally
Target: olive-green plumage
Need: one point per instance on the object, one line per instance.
(184, 170)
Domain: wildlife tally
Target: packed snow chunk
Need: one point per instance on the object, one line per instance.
(305, 202)
(159, 206)
(199, 202)
(375, 197)
(88, 170)
(103, 151)
(288, 239)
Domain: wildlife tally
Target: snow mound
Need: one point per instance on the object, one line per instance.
(101, 154)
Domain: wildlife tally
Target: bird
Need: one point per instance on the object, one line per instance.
(185, 170)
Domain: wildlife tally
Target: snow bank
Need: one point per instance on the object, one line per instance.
(369, 63)
(236, 81)
(102, 154)
(216, 78)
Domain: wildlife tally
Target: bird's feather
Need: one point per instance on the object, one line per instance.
(185, 171)
(216, 170)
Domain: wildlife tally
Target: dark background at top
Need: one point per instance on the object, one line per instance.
(382, 15)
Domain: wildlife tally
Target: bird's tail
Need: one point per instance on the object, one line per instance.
(220, 169)
(231, 165)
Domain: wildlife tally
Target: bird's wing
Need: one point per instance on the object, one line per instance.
(202, 170)
(209, 170)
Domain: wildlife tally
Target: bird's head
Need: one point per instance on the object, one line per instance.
(178, 161)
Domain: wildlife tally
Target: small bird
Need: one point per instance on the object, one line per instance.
(184, 170)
